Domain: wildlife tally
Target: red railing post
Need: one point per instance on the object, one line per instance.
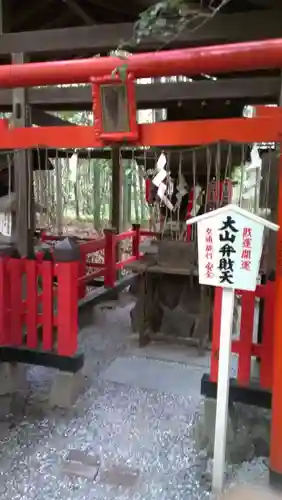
(16, 268)
(246, 337)
(67, 258)
(31, 268)
(110, 258)
(82, 272)
(5, 284)
(266, 363)
(136, 241)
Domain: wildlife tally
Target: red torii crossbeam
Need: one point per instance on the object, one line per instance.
(248, 56)
(166, 134)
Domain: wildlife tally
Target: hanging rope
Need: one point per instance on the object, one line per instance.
(242, 175)
(180, 187)
(59, 207)
(209, 166)
(217, 174)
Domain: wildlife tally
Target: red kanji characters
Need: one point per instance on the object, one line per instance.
(247, 243)
(246, 255)
(246, 265)
(208, 235)
(247, 232)
(209, 253)
(209, 270)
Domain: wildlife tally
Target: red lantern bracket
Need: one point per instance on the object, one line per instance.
(114, 108)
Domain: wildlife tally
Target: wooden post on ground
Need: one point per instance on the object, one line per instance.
(227, 311)
(116, 215)
(110, 258)
(24, 220)
(59, 200)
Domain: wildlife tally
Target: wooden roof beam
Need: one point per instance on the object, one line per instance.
(79, 11)
(39, 117)
(105, 37)
(157, 95)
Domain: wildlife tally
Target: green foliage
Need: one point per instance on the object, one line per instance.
(166, 19)
(121, 71)
(161, 19)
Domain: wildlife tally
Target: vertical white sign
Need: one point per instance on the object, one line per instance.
(229, 251)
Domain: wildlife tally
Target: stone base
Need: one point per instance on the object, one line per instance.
(12, 378)
(66, 389)
(172, 306)
(248, 431)
(275, 480)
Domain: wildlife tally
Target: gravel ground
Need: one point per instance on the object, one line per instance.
(142, 439)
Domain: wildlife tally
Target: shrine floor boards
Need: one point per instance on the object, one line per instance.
(129, 436)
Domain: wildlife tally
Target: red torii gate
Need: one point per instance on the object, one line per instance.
(215, 59)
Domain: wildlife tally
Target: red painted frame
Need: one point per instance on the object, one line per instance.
(245, 347)
(166, 134)
(130, 136)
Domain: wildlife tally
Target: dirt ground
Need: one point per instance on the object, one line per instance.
(134, 423)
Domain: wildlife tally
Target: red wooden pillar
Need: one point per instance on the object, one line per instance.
(136, 241)
(5, 307)
(275, 468)
(110, 258)
(246, 337)
(67, 308)
(82, 272)
(67, 257)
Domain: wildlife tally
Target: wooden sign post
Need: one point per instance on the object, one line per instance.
(230, 243)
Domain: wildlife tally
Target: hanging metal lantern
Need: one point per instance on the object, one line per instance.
(114, 108)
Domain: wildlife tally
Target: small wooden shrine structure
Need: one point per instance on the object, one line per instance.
(205, 113)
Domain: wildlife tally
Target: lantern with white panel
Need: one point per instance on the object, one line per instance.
(230, 243)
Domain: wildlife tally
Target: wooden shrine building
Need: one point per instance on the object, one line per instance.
(30, 32)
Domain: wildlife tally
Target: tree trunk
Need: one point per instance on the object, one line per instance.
(125, 202)
(103, 200)
(109, 196)
(59, 203)
(76, 194)
(75, 189)
(136, 198)
(97, 195)
(142, 195)
(129, 195)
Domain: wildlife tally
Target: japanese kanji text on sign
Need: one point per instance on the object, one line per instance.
(229, 250)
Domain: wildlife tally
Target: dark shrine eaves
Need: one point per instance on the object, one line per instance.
(32, 15)
(192, 98)
(65, 28)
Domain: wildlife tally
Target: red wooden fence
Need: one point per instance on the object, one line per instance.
(245, 347)
(39, 298)
(35, 312)
(89, 270)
